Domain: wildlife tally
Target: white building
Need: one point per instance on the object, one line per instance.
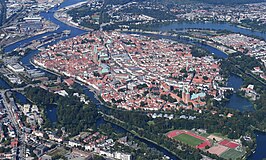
(122, 156)
(16, 67)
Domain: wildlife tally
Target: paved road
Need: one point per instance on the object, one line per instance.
(19, 132)
(21, 154)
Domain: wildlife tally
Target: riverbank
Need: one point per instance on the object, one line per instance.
(72, 24)
(64, 29)
(4, 84)
(90, 88)
(140, 136)
(211, 26)
(137, 135)
(175, 37)
(257, 146)
(40, 33)
(238, 25)
(209, 43)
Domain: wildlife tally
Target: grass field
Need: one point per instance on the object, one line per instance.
(187, 139)
(150, 123)
(219, 135)
(204, 135)
(231, 154)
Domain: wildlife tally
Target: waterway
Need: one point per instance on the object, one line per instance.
(4, 84)
(51, 113)
(148, 143)
(236, 101)
(21, 98)
(51, 110)
(259, 153)
(92, 97)
(49, 16)
(212, 26)
(215, 51)
(74, 32)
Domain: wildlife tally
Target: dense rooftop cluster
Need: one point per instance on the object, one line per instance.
(236, 13)
(252, 46)
(133, 71)
(143, 15)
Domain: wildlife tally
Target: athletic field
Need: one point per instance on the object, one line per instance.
(231, 154)
(188, 139)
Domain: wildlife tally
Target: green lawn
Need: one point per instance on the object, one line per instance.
(219, 135)
(187, 139)
(231, 154)
(151, 123)
(204, 135)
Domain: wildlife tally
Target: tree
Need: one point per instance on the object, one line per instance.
(45, 135)
(205, 78)
(183, 70)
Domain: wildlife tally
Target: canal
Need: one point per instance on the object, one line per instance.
(236, 101)
(4, 84)
(74, 32)
(211, 26)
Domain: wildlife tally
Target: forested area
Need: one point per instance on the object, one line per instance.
(241, 64)
(155, 13)
(226, 2)
(222, 2)
(235, 127)
(72, 114)
(199, 52)
(254, 24)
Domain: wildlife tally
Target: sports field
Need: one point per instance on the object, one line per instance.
(187, 139)
(231, 154)
(218, 149)
(229, 144)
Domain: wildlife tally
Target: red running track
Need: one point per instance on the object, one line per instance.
(178, 132)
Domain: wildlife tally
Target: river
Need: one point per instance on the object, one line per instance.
(259, 153)
(211, 49)
(51, 110)
(212, 26)
(4, 84)
(21, 98)
(236, 101)
(74, 32)
(49, 16)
